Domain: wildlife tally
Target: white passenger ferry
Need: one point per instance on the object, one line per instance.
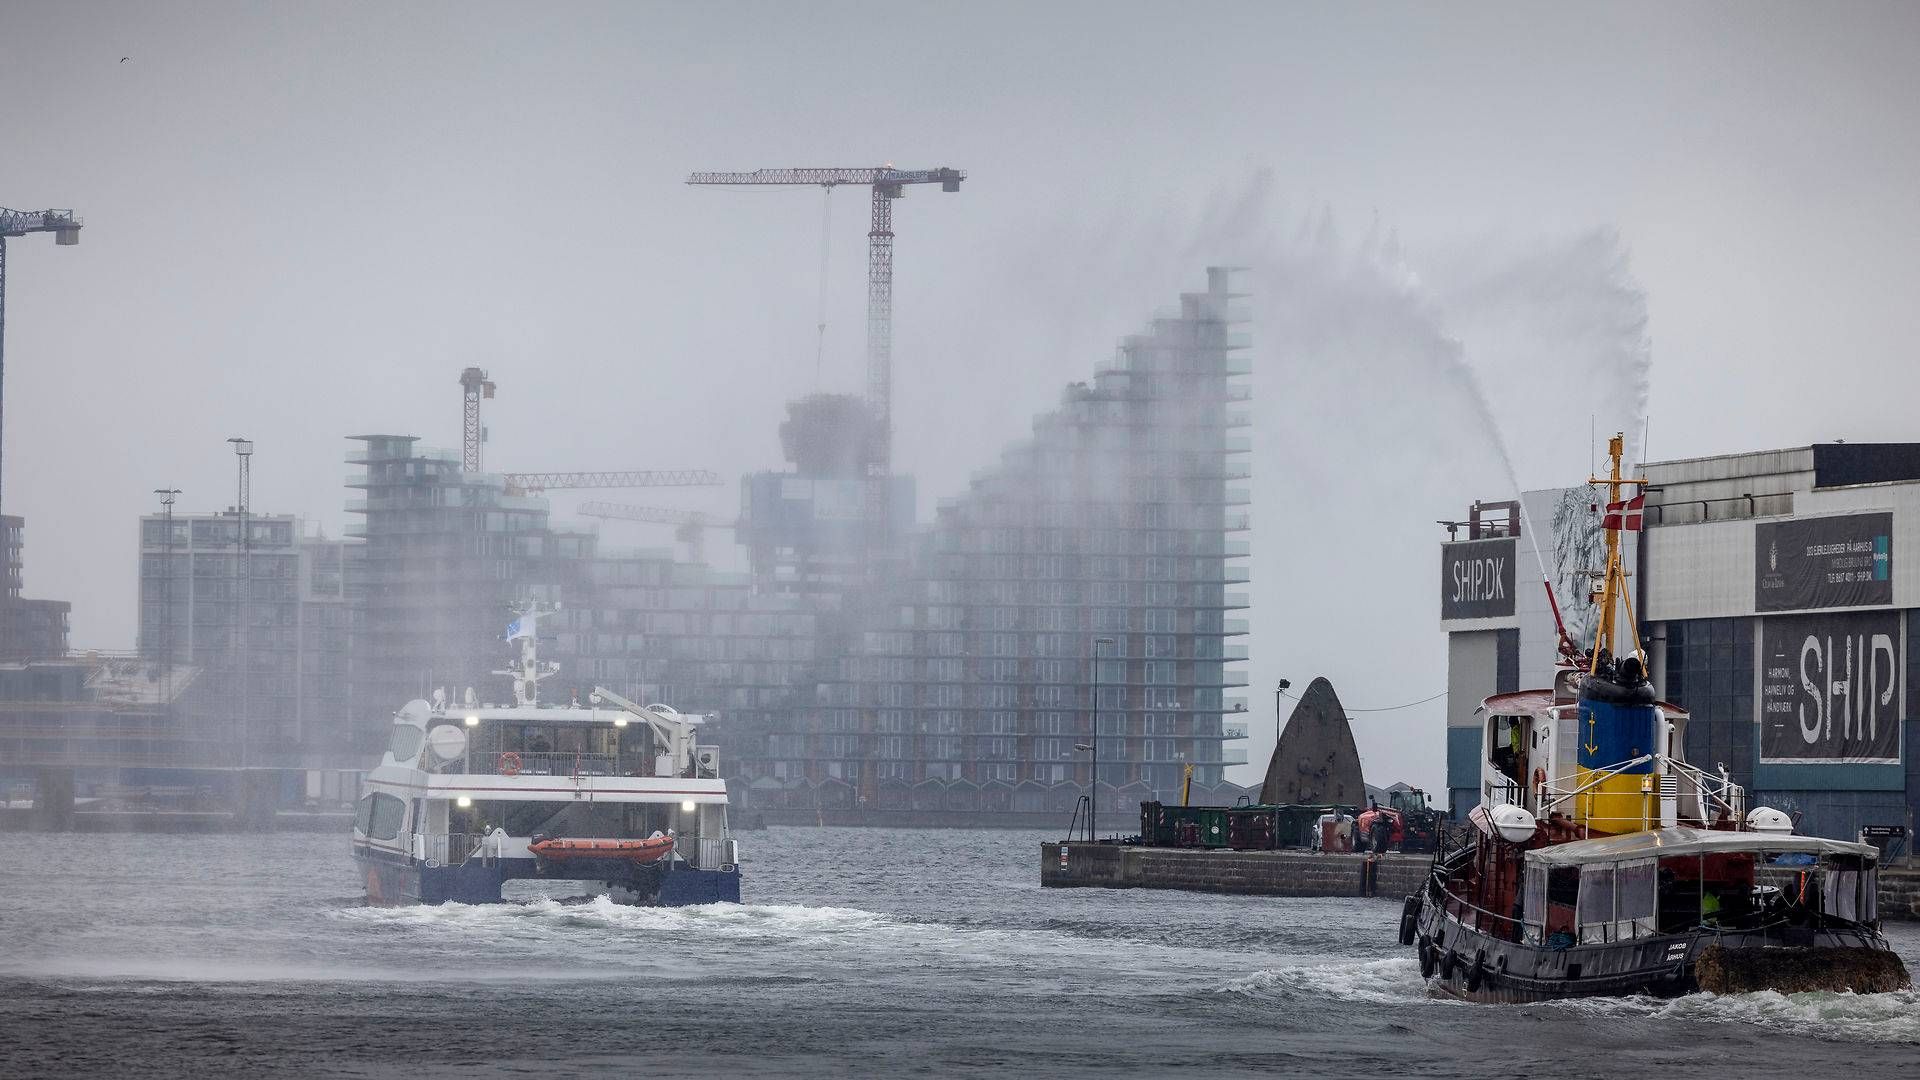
(616, 795)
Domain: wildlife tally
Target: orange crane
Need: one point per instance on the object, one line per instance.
(888, 184)
(66, 233)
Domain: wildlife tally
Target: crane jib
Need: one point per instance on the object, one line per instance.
(949, 178)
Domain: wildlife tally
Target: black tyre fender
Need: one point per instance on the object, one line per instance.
(1446, 963)
(1409, 919)
(1427, 960)
(1478, 971)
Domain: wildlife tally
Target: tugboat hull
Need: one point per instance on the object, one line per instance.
(1461, 962)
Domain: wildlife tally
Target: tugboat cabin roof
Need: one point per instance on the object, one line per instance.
(1535, 702)
(1683, 841)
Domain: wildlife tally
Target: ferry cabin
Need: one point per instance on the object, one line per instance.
(471, 788)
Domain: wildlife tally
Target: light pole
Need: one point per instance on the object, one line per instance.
(166, 594)
(1093, 801)
(243, 573)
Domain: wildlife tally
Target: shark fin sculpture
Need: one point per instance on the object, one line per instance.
(1315, 760)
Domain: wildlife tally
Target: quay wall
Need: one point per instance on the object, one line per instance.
(1259, 873)
(1900, 892)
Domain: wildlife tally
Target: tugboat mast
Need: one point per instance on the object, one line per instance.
(1613, 585)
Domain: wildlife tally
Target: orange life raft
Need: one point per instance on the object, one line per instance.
(639, 851)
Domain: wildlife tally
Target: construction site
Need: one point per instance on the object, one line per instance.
(1067, 622)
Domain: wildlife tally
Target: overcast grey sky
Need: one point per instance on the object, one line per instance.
(303, 220)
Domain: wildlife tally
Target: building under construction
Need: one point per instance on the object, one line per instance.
(1091, 573)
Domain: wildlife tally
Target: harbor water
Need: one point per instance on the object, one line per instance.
(878, 952)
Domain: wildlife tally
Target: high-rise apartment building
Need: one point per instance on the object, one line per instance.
(266, 627)
(29, 629)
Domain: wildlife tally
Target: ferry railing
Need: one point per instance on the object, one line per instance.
(706, 853)
(531, 763)
(454, 849)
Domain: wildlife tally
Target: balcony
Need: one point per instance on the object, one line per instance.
(1233, 731)
(1238, 496)
(1237, 444)
(1235, 627)
(1238, 523)
(1234, 756)
(1235, 652)
(1237, 600)
(1238, 365)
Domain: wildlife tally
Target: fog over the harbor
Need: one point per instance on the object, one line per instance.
(303, 221)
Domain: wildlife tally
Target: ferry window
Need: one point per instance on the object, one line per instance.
(404, 744)
(363, 814)
(388, 812)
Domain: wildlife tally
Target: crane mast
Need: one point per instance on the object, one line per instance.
(66, 233)
(474, 385)
(888, 184)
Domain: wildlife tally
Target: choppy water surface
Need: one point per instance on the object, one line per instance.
(866, 951)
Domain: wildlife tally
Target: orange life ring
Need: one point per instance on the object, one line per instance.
(509, 764)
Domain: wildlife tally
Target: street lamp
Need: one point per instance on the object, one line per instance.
(1093, 788)
(167, 496)
(242, 575)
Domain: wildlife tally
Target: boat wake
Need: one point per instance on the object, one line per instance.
(1878, 1018)
(1394, 981)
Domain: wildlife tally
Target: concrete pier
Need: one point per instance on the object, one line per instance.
(1259, 873)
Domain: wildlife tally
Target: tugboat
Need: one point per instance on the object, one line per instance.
(1601, 863)
(618, 796)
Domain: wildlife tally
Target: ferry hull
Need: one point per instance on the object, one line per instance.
(1662, 965)
(393, 880)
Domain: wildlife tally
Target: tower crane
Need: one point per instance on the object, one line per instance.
(66, 233)
(525, 483)
(692, 524)
(474, 385)
(888, 184)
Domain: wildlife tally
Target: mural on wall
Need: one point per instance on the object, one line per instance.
(1579, 554)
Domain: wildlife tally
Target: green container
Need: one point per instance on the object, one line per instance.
(1166, 825)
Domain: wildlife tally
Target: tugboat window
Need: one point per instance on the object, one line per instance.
(1596, 903)
(363, 814)
(1636, 904)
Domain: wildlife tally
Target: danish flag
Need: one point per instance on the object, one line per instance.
(1624, 516)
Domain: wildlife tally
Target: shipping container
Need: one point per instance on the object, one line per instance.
(1167, 825)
